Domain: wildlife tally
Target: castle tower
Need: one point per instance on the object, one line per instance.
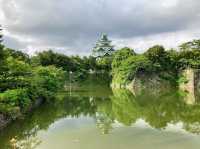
(103, 47)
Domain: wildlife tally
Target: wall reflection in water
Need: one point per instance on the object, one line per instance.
(107, 108)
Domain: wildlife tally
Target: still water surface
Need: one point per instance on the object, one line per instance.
(98, 118)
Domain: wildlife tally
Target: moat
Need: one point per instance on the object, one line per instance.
(95, 117)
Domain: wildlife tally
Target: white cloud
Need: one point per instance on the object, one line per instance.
(76, 25)
(169, 40)
(169, 3)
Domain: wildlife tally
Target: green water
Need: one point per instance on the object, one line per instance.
(95, 117)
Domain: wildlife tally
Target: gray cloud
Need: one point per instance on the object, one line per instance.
(76, 24)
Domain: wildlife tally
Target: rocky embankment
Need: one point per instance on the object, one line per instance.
(152, 83)
(5, 119)
(188, 83)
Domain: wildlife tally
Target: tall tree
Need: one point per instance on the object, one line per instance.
(120, 55)
(1, 50)
(192, 45)
(103, 47)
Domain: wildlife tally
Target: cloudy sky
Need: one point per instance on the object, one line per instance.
(73, 26)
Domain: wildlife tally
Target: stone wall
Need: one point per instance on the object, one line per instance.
(142, 82)
(190, 85)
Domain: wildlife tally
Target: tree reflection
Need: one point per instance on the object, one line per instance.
(28, 143)
(158, 110)
(124, 107)
(104, 123)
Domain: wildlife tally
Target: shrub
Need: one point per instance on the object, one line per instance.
(121, 55)
(129, 67)
(15, 98)
(46, 81)
(16, 74)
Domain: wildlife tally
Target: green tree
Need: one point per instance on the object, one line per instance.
(2, 58)
(16, 74)
(191, 45)
(90, 63)
(46, 81)
(159, 57)
(126, 71)
(189, 55)
(80, 66)
(156, 54)
(16, 54)
(120, 55)
(47, 58)
(2, 55)
(173, 56)
(189, 58)
(105, 63)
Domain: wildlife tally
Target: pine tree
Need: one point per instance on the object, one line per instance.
(103, 47)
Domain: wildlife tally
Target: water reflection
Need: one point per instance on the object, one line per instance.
(157, 110)
(107, 108)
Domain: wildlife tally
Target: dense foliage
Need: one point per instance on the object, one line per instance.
(24, 81)
(79, 66)
(23, 84)
(156, 60)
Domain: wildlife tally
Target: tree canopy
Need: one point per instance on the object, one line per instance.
(156, 59)
(191, 45)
